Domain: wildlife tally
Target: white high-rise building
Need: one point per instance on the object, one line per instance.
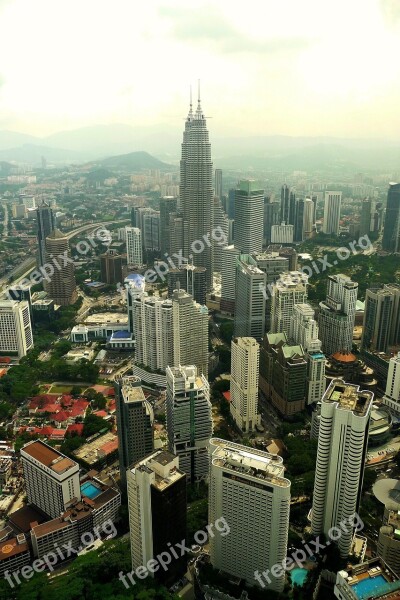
(134, 250)
(15, 327)
(333, 201)
(250, 298)
(289, 289)
(282, 234)
(309, 218)
(337, 314)
(189, 420)
(152, 317)
(244, 383)
(304, 331)
(342, 446)
(249, 490)
(249, 216)
(190, 332)
(392, 392)
(51, 478)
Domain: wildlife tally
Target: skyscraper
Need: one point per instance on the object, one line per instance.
(333, 201)
(190, 332)
(189, 420)
(229, 258)
(337, 314)
(250, 299)
(299, 220)
(289, 289)
(134, 423)
(168, 206)
(221, 236)
(157, 513)
(381, 326)
(249, 216)
(111, 267)
(196, 190)
(288, 205)
(51, 478)
(45, 226)
(15, 328)
(392, 392)
(342, 448)
(309, 218)
(244, 383)
(272, 216)
(151, 231)
(62, 284)
(189, 278)
(367, 216)
(152, 319)
(134, 249)
(249, 490)
(391, 230)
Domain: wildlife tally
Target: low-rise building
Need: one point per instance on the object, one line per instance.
(367, 581)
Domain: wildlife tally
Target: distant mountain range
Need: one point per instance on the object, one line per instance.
(130, 148)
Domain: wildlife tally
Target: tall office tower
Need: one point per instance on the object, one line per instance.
(151, 231)
(196, 190)
(282, 234)
(289, 289)
(62, 284)
(286, 252)
(333, 201)
(250, 299)
(15, 328)
(51, 479)
(272, 216)
(367, 216)
(190, 332)
(304, 332)
(299, 220)
(283, 373)
(189, 420)
(309, 218)
(111, 267)
(135, 286)
(249, 490)
(157, 513)
(391, 229)
(288, 205)
(45, 226)
(337, 314)
(152, 317)
(176, 237)
(229, 258)
(388, 544)
(249, 216)
(133, 216)
(221, 233)
(168, 206)
(230, 204)
(134, 252)
(273, 266)
(392, 392)
(134, 423)
(189, 278)
(244, 383)
(218, 183)
(381, 326)
(342, 448)
(378, 216)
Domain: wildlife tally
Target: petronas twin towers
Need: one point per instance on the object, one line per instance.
(196, 192)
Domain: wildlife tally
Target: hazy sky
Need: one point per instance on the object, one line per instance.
(309, 67)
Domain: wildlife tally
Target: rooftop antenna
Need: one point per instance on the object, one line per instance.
(198, 95)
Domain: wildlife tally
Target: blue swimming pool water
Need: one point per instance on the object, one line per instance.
(90, 490)
(366, 588)
(299, 576)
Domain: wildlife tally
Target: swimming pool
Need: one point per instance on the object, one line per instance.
(298, 576)
(366, 588)
(90, 490)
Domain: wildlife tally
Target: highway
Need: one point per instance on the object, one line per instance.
(27, 265)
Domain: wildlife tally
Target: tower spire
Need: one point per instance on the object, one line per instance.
(190, 115)
(198, 111)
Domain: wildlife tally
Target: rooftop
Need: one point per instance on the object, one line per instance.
(371, 580)
(349, 397)
(13, 547)
(251, 463)
(48, 457)
(164, 466)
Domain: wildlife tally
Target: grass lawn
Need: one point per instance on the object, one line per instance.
(60, 389)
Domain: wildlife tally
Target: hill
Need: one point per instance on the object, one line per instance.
(133, 161)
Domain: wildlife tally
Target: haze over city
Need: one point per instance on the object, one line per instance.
(299, 69)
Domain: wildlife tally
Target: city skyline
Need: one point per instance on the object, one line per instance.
(347, 89)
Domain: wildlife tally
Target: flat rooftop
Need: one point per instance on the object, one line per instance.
(13, 547)
(372, 580)
(48, 457)
(254, 464)
(349, 397)
(158, 463)
(106, 318)
(89, 452)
